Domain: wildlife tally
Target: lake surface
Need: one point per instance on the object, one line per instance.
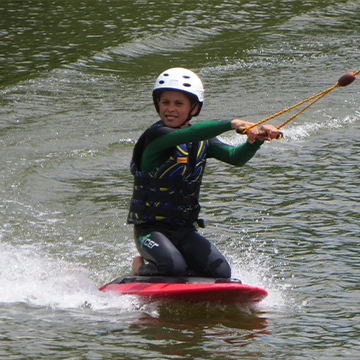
(75, 94)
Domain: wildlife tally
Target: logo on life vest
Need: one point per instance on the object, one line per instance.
(147, 242)
(181, 160)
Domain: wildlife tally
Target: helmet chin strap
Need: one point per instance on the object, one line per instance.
(186, 121)
(189, 116)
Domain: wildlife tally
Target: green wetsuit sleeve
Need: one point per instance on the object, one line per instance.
(206, 130)
(234, 155)
(200, 131)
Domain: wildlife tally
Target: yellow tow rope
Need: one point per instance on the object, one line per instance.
(344, 80)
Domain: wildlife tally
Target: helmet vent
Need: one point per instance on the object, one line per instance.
(186, 76)
(186, 84)
(161, 82)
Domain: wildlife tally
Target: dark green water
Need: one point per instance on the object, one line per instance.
(75, 94)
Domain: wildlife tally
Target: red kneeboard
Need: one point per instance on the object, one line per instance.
(190, 289)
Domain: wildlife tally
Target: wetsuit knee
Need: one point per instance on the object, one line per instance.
(174, 266)
(219, 268)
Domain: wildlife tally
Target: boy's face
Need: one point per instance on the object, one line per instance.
(175, 108)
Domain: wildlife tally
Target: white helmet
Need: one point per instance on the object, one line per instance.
(179, 79)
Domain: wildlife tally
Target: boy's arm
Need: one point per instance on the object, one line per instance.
(165, 138)
(234, 155)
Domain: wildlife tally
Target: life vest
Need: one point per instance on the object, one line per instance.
(170, 193)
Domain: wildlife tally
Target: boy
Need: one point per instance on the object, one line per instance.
(168, 164)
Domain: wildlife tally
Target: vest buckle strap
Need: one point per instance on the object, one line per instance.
(172, 198)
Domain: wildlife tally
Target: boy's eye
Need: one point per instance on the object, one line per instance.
(167, 102)
(179, 103)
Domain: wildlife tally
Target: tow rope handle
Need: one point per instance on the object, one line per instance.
(344, 80)
(242, 130)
